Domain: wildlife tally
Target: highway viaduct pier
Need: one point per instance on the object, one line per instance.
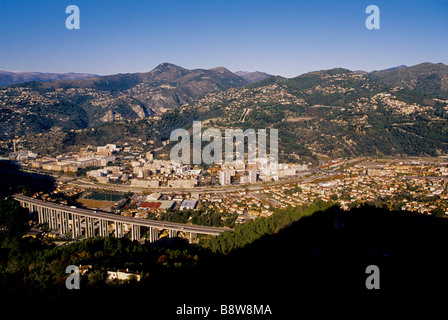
(81, 222)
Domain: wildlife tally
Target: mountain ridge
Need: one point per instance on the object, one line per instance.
(428, 78)
(8, 77)
(252, 77)
(320, 115)
(78, 104)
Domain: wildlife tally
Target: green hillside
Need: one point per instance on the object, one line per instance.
(426, 78)
(324, 114)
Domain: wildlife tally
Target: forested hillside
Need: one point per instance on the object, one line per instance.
(320, 115)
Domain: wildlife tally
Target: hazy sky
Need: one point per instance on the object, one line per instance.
(281, 37)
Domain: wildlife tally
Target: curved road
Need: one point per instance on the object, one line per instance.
(231, 188)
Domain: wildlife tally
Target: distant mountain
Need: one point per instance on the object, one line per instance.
(395, 68)
(165, 87)
(252, 77)
(319, 115)
(332, 113)
(14, 77)
(75, 104)
(428, 78)
(389, 69)
(241, 73)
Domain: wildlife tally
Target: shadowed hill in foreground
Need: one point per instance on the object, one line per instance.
(329, 251)
(320, 260)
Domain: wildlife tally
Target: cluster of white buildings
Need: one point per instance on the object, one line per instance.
(260, 169)
(147, 172)
(74, 162)
(152, 173)
(108, 173)
(70, 163)
(22, 155)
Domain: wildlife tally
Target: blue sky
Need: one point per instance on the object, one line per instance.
(284, 37)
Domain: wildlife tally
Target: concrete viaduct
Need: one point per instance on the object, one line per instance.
(91, 223)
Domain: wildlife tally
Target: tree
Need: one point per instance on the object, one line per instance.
(95, 278)
(439, 213)
(13, 217)
(334, 197)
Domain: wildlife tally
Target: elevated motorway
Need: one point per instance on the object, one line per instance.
(86, 222)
